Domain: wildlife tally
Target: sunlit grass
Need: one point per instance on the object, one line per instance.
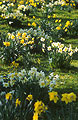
(67, 15)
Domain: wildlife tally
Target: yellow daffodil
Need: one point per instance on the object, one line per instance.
(0, 3)
(34, 24)
(24, 35)
(18, 34)
(29, 24)
(21, 2)
(12, 37)
(33, 17)
(29, 97)
(53, 96)
(72, 97)
(6, 44)
(49, 16)
(65, 98)
(22, 41)
(56, 21)
(8, 96)
(58, 28)
(35, 116)
(18, 102)
(54, 15)
(39, 107)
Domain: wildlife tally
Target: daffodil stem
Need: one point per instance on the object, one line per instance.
(63, 111)
(71, 111)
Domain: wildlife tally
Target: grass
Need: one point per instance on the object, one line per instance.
(67, 15)
(3, 68)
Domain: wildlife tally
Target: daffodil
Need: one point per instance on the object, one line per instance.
(34, 24)
(35, 116)
(72, 97)
(58, 28)
(65, 98)
(18, 102)
(6, 44)
(29, 97)
(22, 41)
(8, 96)
(39, 107)
(53, 96)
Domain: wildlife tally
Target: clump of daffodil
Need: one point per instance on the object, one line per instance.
(18, 102)
(29, 97)
(39, 107)
(67, 98)
(53, 96)
(8, 96)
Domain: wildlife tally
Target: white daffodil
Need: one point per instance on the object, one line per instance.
(71, 53)
(32, 72)
(43, 45)
(60, 50)
(5, 84)
(42, 39)
(51, 86)
(49, 48)
(12, 82)
(41, 74)
(42, 83)
(76, 49)
(1, 78)
(65, 49)
(50, 60)
(23, 72)
(61, 45)
(11, 76)
(51, 75)
(56, 76)
(20, 76)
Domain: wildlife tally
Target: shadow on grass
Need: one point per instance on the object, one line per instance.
(71, 69)
(2, 70)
